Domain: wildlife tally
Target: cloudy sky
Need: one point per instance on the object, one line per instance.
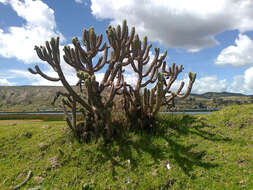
(213, 38)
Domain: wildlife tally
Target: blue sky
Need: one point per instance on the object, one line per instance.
(212, 38)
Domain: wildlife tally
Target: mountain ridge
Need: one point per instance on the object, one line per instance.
(39, 98)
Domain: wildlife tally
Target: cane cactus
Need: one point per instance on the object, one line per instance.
(124, 49)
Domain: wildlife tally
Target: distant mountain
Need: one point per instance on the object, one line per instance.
(39, 98)
(28, 98)
(218, 94)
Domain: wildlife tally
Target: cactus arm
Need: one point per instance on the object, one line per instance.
(152, 78)
(134, 67)
(192, 77)
(113, 92)
(73, 109)
(85, 56)
(159, 94)
(146, 54)
(54, 60)
(157, 50)
(58, 94)
(38, 71)
(72, 57)
(99, 41)
(145, 61)
(103, 60)
(67, 117)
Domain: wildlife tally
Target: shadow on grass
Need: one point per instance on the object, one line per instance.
(169, 129)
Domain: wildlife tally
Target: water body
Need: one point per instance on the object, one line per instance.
(191, 113)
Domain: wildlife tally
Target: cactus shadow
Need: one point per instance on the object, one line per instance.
(162, 146)
(185, 125)
(127, 153)
(188, 156)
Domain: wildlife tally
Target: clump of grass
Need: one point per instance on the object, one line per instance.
(202, 152)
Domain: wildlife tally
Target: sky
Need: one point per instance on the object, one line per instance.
(213, 38)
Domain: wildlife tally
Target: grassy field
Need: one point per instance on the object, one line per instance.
(203, 152)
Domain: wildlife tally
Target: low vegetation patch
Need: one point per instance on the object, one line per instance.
(185, 152)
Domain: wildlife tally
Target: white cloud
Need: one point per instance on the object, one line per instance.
(129, 78)
(99, 76)
(37, 80)
(5, 82)
(129, 68)
(179, 23)
(209, 84)
(204, 84)
(238, 85)
(39, 26)
(69, 73)
(242, 83)
(248, 77)
(240, 54)
(82, 2)
(34, 79)
(79, 1)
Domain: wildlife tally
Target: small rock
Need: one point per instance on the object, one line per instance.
(20, 175)
(242, 125)
(46, 127)
(28, 134)
(154, 172)
(52, 139)
(128, 181)
(35, 188)
(38, 179)
(4, 181)
(54, 162)
(43, 146)
(12, 124)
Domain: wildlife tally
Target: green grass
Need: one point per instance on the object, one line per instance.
(205, 152)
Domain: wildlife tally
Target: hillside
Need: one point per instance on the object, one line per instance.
(213, 100)
(39, 98)
(218, 94)
(28, 98)
(188, 152)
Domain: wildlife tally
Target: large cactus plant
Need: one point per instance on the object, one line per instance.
(125, 49)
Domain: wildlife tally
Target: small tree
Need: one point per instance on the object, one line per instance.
(125, 49)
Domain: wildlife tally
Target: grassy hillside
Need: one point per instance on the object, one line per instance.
(39, 98)
(203, 152)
